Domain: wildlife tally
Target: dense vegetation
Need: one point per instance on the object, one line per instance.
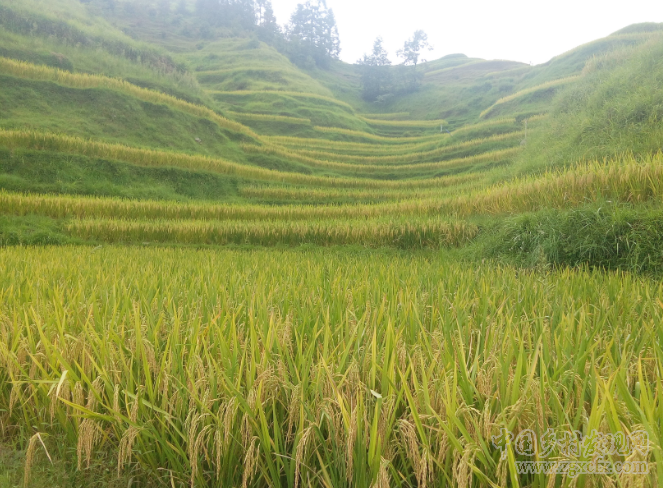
(230, 259)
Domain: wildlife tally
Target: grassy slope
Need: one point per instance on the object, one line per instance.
(51, 172)
(615, 108)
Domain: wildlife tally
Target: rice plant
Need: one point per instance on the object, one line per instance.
(282, 368)
(377, 169)
(412, 234)
(369, 136)
(312, 96)
(456, 184)
(408, 124)
(269, 118)
(624, 180)
(150, 157)
(390, 161)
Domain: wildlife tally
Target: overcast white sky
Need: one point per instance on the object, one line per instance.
(519, 30)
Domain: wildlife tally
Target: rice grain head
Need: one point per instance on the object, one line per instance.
(29, 459)
(382, 480)
(250, 462)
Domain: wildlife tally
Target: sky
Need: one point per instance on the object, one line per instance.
(530, 31)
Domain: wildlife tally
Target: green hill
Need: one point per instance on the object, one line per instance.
(224, 267)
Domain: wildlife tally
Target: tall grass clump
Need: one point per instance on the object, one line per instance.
(602, 235)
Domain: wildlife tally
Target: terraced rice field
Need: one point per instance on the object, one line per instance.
(321, 325)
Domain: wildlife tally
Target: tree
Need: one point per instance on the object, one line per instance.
(376, 75)
(313, 35)
(268, 29)
(413, 47)
(409, 79)
(227, 13)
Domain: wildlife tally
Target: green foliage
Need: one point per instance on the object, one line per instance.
(413, 47)
(29, 22)
(54, 172)
(376, 77)
(31, 231)
(108, 115)
(605, 236)
(313, 35)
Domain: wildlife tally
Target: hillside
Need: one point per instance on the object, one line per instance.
(226, 268)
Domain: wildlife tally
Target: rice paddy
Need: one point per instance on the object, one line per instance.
(354, 311)
(308, 369)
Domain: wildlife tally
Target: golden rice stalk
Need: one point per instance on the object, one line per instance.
(250, 462)
(301, 453)
(382, 480)
(126, 448)
(350, 444)
(200, 442)
(419, 461)
(89, 435)
(29, 458)
(312, 96)
(62, 388)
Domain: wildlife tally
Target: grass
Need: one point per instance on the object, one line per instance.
(287, 194)
(233, 64)
(106, 115)
(543, 87)
(615, 108)
(386, 168)
(603, 235)
(410, 156)
(55, 172)
(270, 118)
(163, 159)
(31, 231)
(76, 80)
